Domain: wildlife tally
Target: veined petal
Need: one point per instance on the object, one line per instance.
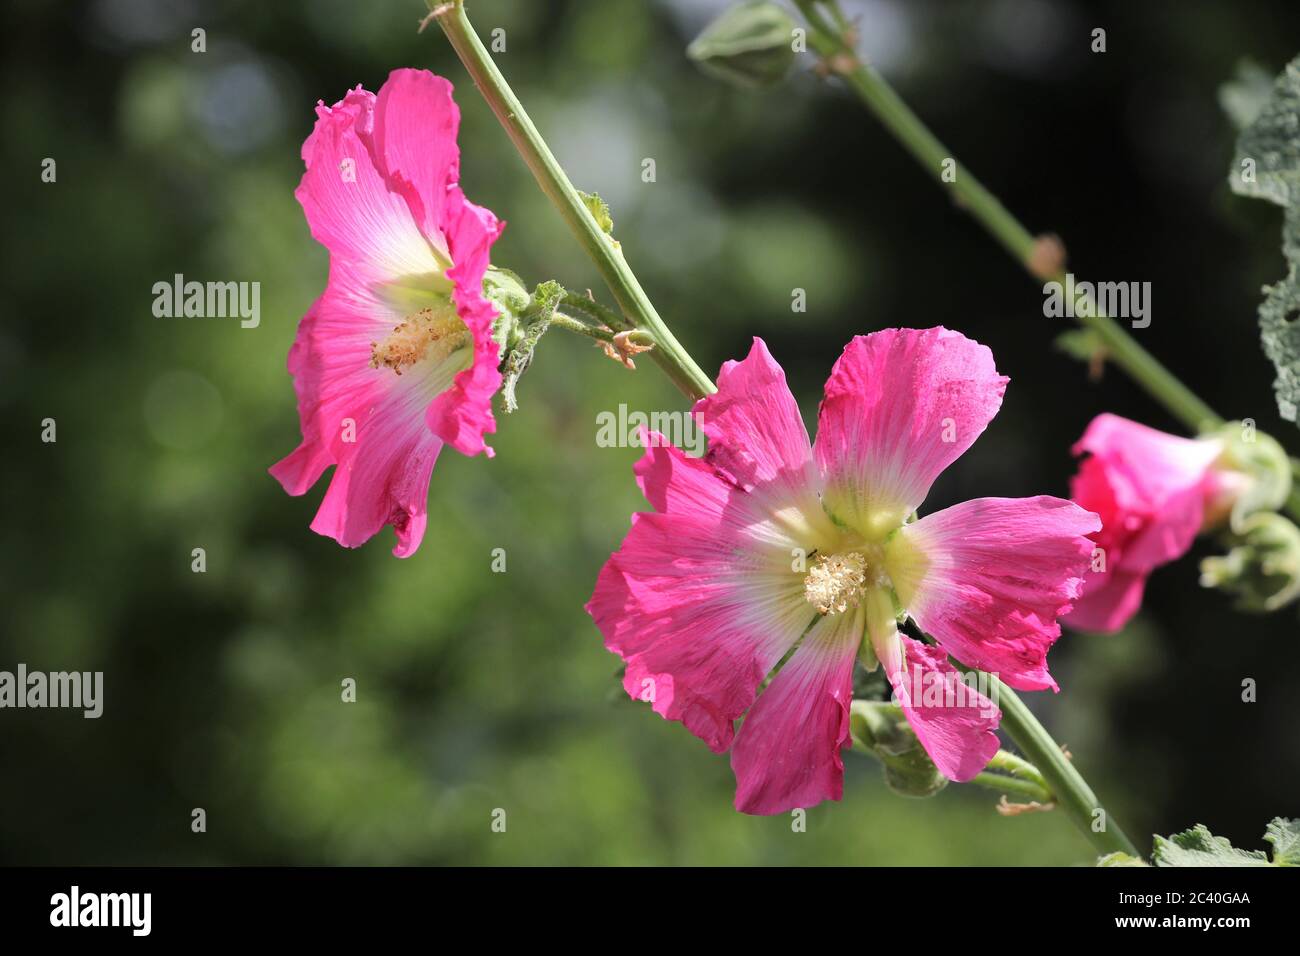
(788, 751)
(756, 434)
(901, 405)
(383, 451)
(988, 579)
(955, 723)
(1108, 600)
(363, 218)
(701, 601)
(462, 414)
(415, 126)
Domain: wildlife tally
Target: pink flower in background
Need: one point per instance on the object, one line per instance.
(769, 543)
(396, 357)
(1152, 491)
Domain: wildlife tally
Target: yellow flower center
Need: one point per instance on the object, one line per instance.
(835, 582)
(428, 333)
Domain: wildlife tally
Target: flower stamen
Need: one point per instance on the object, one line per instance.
(438, 332)
(834, 582)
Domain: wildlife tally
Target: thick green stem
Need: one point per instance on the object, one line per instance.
(1072, 793)
(834, 43)
(601, 247)
(1069, 789)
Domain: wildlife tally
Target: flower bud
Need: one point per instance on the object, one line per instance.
(1262, 567)
(1252, 475)
(882, 729)
(750, 45)
(506, 291)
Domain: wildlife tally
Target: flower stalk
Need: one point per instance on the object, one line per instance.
(1067, 787)
(603, 250)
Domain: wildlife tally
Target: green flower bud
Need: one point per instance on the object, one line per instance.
(1262, 566)
(749, 45)
(506, 291)
(882, 729)
(1254, 473)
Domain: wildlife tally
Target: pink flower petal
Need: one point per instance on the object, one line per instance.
(383, 478)
(415, 126)
(988, 579)
(755, 431)
(699, 601)
(900, 406)
(1108, 601)
(462, 415)
(788, 751)
(955, 723)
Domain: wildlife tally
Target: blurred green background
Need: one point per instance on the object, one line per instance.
(478, 690)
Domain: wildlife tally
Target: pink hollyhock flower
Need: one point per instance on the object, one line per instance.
(1154, 493)
(769, 543)
(396, 358)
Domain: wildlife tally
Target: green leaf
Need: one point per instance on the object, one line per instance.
(1267, 166)
(1121, 859)
(1284, 835)
(599, 210)
(749, 45)
(1199, 847)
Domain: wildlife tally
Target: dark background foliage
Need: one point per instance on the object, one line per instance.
(479, 690)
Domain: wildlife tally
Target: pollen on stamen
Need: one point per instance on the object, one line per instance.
(416, 337)
(834, 582)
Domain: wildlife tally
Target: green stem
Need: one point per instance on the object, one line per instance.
(569, 323)
(1072, 793)
(834, 44)
(1013, 786)
(1009, 763)
(1070, 789)
(602, 248)
(593, 310)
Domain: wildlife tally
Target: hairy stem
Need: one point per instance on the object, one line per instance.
(602, 248)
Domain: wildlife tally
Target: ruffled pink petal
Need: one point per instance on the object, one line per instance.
(788, 751)
(353, 208)
(756, 434)
(988, 579)
(382, 480)
(462, 415)
(1109, 599)
(955, 723)
(900, 406)
(415, 126)
(699, 600)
